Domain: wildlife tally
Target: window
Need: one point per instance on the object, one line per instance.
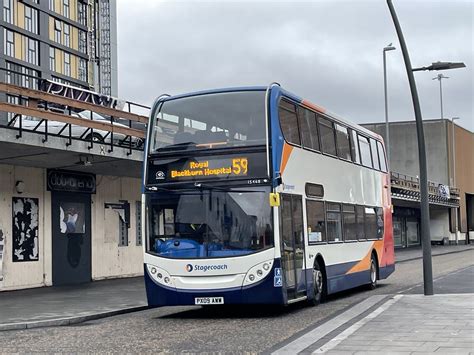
(354, 147)
(66, 35)
(138, 222)
(52, 58)
(9, 44)
(360, 222)
(375, 158)
(57, 31)
(67, 64)
(316, 222)
(31, 19)
(343, 146)
(370, 223)
(51, 5)
(82, 13)
(383, 162)
(66, 8)
(328, 142)
(364, 148)
(289, 122)
(82, 42)
(309, 129)
(31, 51)
(82, 69)
(8, 11)
(380, 222)
(314, 190)
(350, 222)
(334, 222)
(21, 76)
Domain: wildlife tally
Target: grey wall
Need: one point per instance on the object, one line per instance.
(404, 148)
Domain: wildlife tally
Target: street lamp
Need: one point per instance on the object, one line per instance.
(424, 203)
(439, 77)
(454, 177)
(387, 132)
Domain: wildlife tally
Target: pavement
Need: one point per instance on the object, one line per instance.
(399, 324)
(52, 306)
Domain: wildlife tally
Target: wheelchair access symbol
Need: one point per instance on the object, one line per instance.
(277, 280)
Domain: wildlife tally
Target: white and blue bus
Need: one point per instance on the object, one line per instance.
(254, 195)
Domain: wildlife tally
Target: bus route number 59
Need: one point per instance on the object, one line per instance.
(239, 166)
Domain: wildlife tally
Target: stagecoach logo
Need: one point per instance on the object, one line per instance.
(205, 268)
(160, 175)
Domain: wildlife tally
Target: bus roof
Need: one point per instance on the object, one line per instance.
(290, 95)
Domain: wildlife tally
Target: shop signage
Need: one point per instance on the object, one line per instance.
(71, 181)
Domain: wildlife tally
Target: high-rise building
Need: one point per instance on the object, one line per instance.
(69, 41)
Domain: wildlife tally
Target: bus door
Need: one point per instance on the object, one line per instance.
(292, 245)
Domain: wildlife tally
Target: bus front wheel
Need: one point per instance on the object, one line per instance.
(318, 284)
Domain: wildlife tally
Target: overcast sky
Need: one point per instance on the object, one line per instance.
(326, 51)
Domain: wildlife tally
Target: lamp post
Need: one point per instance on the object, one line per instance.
(424, 203)
(454, 177)
(439, 77)
(387, 131)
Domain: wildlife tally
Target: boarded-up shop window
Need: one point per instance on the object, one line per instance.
(25, 229)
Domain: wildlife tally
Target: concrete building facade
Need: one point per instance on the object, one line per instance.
(450, 163)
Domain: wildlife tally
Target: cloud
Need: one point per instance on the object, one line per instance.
(329, 52)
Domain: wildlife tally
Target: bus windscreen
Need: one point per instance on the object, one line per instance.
(207, 121)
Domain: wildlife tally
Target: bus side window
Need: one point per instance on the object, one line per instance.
(380, 222)
(360, 223)
(289, 122)
(350, 224)
(342, 140)
(316, 221)
(354, 147)
(328, 140)
(309, 130)
(383, 162)
(334, 222)
(364, 148)
(375, 154)
(370, 223)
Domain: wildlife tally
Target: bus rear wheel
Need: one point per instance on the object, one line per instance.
(373, 273)
(318, 285)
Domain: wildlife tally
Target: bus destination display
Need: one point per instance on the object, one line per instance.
(207, 168)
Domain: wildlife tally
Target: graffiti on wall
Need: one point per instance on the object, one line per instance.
(25, 229)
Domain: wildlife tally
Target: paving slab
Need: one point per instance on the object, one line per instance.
(66, 305)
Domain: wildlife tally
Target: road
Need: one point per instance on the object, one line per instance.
(237, 329)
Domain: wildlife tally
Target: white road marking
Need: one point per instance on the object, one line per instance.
(314, 335)
(349, 331)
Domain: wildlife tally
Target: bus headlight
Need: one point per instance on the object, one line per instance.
(160, 276)
(258, 272)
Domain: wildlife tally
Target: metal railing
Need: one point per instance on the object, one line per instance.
(73, 113)
(408, 187)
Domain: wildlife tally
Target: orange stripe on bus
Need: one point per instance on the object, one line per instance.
(313, 106)
(364, 264)
(286, 155)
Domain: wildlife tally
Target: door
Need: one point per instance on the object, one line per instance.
(292, 245)
(71, 247)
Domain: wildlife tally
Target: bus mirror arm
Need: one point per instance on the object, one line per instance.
(278, 180)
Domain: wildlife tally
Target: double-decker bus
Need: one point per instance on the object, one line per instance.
(254, 195)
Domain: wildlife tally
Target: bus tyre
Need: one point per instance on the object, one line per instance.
(373, 273)
(318, 285)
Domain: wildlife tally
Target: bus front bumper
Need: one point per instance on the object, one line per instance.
(263, 292)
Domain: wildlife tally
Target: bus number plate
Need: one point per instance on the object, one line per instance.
(209, 300)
